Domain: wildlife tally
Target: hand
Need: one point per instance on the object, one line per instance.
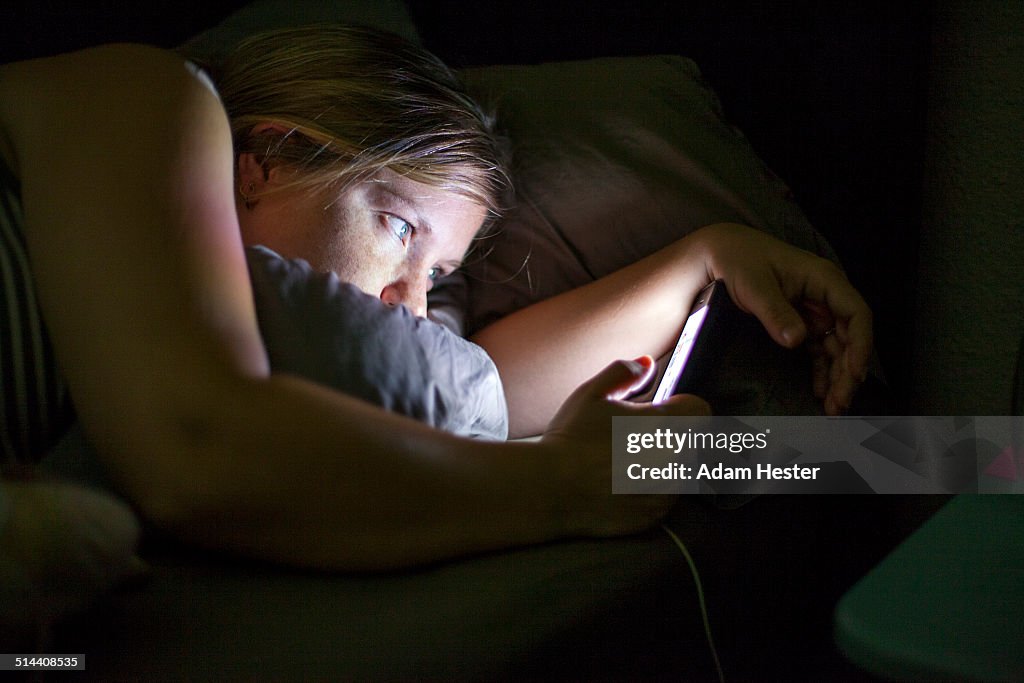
(798, 297)
(581, 436)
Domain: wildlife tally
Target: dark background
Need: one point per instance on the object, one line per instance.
(831, 95)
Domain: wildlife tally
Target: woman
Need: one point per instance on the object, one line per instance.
(136, 208)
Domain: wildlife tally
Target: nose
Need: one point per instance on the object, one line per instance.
(407, 292)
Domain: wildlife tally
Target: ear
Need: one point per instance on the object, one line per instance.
(271, 128)
(254, 172)
(252, 176)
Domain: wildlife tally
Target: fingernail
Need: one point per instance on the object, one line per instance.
(633, 366)
(790, 335)
(641, 364)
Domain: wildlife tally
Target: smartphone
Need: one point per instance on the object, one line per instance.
(707, 328)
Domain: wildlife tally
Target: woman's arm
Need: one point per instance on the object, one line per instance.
(126, 166)
(543, 352)
(546, 349)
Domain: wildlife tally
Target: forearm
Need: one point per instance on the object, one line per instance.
(287, 471)
(546, 350)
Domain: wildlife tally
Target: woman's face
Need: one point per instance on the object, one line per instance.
(389, 236)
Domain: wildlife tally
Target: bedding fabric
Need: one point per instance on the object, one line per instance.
(330, 332)
(35, 407)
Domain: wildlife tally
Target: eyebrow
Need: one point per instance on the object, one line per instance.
(421, 223)
(453, 264)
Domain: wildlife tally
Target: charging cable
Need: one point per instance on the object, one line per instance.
(700, 599)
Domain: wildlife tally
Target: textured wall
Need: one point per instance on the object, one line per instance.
(970, 314)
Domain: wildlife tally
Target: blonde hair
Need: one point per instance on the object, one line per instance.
(355, 101)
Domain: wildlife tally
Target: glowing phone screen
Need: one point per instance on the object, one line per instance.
(677, 361)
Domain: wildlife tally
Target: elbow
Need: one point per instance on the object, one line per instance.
(173, 501)
(171, 489)
(179, 466)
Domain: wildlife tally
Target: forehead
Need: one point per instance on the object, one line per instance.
(444, 215)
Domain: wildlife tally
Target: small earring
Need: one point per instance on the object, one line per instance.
(246, 193)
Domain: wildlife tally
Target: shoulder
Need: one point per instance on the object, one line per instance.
(109, 59)
(38, 95)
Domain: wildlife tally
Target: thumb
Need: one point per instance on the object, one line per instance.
(686, 404)
(767, 302)
(622, 378)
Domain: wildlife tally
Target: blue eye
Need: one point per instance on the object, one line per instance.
(401, 228)
(434, 273)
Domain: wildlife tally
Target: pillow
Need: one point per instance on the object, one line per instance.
(212, 45)
(613, 159)
(330, 332)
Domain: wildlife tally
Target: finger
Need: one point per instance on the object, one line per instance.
(854, 326)
(686, 405)
(824, 349)
(839, 397)
(815, 308)
(857, 334)
(831, 345)
(621, 379)
(818, 318)
(843, 382)
(762, 296)
(837, 374)
(842, 387)
(820, 375)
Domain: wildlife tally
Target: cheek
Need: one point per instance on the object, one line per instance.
(293, 229)
(361, 255)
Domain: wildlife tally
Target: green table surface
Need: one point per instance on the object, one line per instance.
(948, 603)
